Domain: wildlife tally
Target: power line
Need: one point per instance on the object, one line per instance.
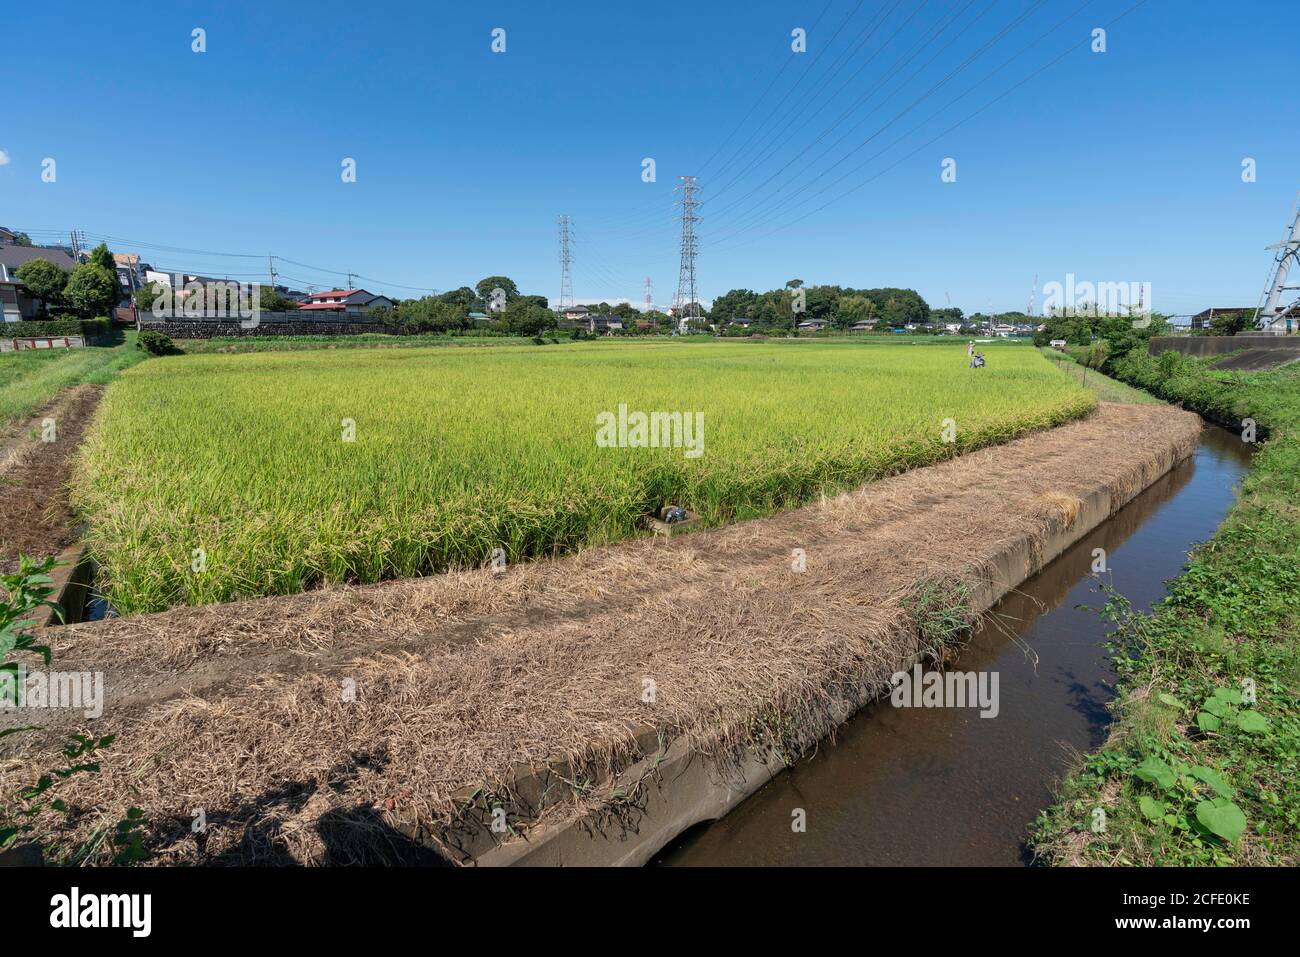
(1001, 96)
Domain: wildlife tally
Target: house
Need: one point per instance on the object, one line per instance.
(813, 325)
(575, 313)
(16, 304)
(1203, 318)
(866, 325)
(743, 321)
(479, 317)
(1057, 343)
(12, 257)
(606, 323)
(344, 302)
(131, 272)
(8, 237)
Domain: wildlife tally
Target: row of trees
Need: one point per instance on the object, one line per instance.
(840, 306)
(89, 291)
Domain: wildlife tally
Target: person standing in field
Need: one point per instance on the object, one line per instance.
(970, 349)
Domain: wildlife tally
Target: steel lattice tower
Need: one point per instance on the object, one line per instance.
(1275, 293)
(686, 291)
(566, 266)
(649, 295)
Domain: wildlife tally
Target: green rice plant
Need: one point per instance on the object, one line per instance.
(211, 477)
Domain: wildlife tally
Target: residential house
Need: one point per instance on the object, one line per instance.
(605, 323)
(14, 256)
(16, 304)
(864, 326)
(743, 321)
(1203, 318)
(813, 325)
(344, 302)
(480, 317)
(131, 272)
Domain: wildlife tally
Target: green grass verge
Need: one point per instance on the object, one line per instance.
(1202, 765)
(1103, 387)
(29, 380)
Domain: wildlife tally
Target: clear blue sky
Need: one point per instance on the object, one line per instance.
(1122, 166)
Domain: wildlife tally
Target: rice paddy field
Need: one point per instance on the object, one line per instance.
(212, 477)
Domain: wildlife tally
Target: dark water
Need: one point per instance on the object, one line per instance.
(945, 787)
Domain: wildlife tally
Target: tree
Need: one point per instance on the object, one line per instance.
(92, 290)
(269, 300)
(22, 239)
(524, 317)
(100, 256)
(146, 295)
(44, 280)
(484, 287)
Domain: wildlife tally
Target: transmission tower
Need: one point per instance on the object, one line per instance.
(1033, 297)
(566, 266)
(649, 295)
(1288, 253)
(686, 293)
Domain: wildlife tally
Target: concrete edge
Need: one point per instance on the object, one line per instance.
(676, 787)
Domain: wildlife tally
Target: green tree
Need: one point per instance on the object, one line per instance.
(100, 256)
(92, 290)
(44, 280)
(484, 288)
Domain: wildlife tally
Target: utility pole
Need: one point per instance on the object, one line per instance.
(566, 265)
(686, 289)
(350, 286)
(270, 267)
(1288, 253)
(75, 248)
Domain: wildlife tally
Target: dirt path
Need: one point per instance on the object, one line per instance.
(35, 516)
(305, 726)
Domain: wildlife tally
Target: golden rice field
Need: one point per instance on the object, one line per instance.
(456, 453)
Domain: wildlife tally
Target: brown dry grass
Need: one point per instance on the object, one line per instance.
(463, 678)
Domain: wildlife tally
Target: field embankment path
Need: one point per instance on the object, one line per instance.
(36, 517)
(329, 726)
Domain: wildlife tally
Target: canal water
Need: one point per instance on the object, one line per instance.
(945, 787)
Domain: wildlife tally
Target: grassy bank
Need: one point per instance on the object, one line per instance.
(29, 380)
(1202, 763)
(314, 467)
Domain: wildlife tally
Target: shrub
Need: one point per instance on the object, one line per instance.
(57, 327)
(155, 343)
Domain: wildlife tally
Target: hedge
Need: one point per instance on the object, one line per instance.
(55, 327)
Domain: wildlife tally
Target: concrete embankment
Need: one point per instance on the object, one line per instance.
(583, 710)
(1250, 352)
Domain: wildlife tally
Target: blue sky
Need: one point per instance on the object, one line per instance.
(1117, 166)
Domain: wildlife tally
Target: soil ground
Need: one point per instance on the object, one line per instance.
(36, 518)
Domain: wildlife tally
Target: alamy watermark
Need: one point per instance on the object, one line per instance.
(211, 299)
(74, 690)
(946, 689)
(651, 430)
(1073, 298)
